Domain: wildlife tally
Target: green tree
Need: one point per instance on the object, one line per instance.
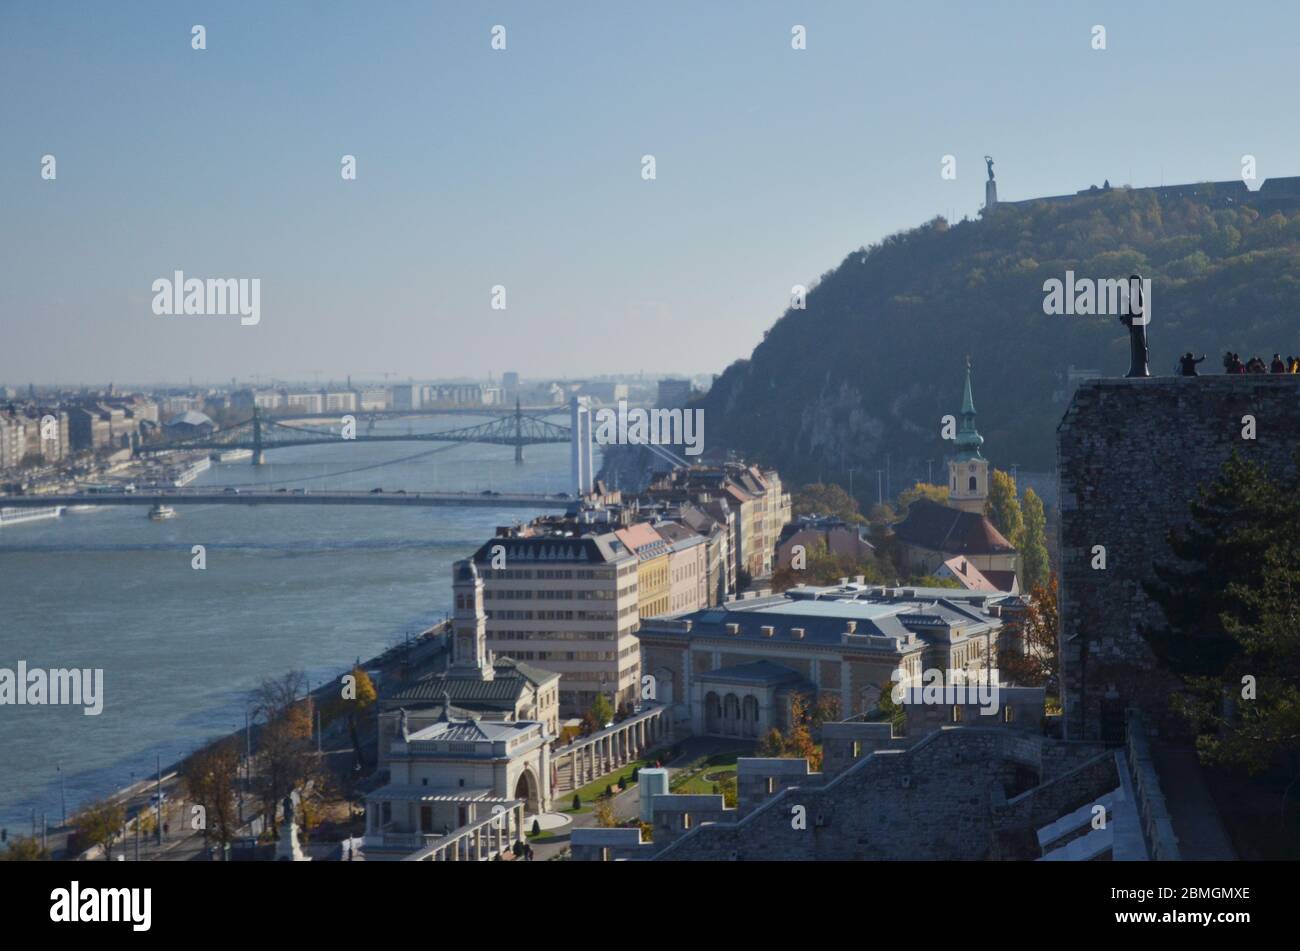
(822, 498)
(1034, 567)
(100, 823)
(1231, 601)
(1003, 507)
(598, 714)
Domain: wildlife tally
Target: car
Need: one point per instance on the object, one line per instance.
(400, 492)
(489, 492)
(231, 490)
(299, 491)
(282, 490)
(561, 495)
(376, 491)
(153, 799)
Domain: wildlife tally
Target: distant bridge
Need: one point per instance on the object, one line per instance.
(291, 497)
(260, 434)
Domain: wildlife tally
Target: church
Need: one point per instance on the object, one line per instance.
(957, 540)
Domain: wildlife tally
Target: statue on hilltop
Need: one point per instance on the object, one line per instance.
(988, 160)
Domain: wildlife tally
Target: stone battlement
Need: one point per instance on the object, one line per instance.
(1131, 456)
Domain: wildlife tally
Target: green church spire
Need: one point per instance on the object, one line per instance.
(968, 438)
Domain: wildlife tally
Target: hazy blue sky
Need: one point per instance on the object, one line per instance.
(523, 167)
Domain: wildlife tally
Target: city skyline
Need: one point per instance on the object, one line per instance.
(521, 168)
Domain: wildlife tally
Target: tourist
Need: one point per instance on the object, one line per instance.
(1187, 363)
(1227, 361)
(1293, 364)
(1256, 365)
(1277, 366)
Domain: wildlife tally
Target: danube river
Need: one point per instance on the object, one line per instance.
(285, 587)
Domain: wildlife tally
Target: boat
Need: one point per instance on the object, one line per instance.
(160, 512)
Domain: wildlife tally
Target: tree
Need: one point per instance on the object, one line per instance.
(921, 490)
(598, 714)
(821, 498)
(286, 757)
(1231, 602)
(1036, 661)
(893, 712)
(1034, 567)
(24, 849)
(772, 744)
(100, 824)
(605, 817)
(355, 699)
(1003, 507)
(211, 778)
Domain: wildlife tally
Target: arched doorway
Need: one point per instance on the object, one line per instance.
(731, 714)
(712, 713)
(749, 716)
(526, 789)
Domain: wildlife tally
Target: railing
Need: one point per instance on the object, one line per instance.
(1157, 826)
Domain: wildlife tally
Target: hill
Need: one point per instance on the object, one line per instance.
(875, 360)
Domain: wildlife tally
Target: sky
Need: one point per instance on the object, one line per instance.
(523, 168)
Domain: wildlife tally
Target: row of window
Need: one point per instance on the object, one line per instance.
(509, 594)
(550, 635)
(559, 574)
(551, 615)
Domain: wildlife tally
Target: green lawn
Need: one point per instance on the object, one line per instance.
(590, 791)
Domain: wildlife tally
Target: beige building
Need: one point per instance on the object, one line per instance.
(566, 604)
(688, 568)
(731, 671)
(653, 578)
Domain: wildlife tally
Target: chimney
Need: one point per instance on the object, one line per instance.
(859, 579)
(733, 628)
(797, 633)
(768, 630)
(853, 627)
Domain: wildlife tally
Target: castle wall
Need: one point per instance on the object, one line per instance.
(1132, 454)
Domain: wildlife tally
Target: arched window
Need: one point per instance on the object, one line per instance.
(972, 483)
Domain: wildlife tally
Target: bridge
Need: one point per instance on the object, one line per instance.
(291, 497)
(260, 434)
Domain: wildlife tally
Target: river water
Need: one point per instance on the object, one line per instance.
(285, 587)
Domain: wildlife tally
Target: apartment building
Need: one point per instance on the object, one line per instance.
(569, 604)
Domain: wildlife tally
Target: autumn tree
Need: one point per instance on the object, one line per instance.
(100, 823)
(604, 811)
(286, 757)
(1036, 660)
(24, 849)
(1003, 507)
(355, 698)
(211, 778)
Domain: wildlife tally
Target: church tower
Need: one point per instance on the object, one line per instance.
(968, 471)
(469, 625)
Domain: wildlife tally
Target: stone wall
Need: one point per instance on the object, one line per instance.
(1131, 454)
(934, 801)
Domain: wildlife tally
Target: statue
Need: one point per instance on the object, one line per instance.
(403, 727)
(288, 808)
(988, 160)
(1136, 318)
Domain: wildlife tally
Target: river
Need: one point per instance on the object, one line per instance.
(285, 587)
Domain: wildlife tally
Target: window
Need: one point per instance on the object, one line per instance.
(972, 483)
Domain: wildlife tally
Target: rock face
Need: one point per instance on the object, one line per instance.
(1132, 454)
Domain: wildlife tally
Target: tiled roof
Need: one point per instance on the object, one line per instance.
(939, 528)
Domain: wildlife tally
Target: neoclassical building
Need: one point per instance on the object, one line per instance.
(476, 683)
(461, 787)
(464, 778)
(731, 670)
